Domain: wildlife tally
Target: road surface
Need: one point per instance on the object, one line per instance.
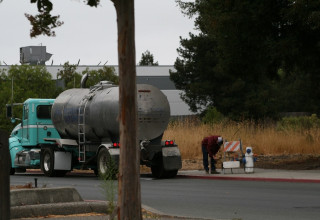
(202, 198)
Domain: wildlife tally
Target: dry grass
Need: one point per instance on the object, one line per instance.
(265, 139)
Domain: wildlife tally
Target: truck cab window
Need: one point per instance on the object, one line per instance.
(44, 111)
(26, 112)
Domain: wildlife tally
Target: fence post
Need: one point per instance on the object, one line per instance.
(4, 176)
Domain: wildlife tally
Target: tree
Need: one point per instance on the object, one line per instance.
(44, 22)
(147, 59)
(129, 199)
(104, 74)
(28, 82)
(70, 76)
(299, 46)
(233, 63)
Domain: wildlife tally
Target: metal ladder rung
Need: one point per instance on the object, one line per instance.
(81, 131)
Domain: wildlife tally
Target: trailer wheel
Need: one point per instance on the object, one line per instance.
(171, 173)
(60, 173)
(105, 165)
(158, 170)
(47, 162)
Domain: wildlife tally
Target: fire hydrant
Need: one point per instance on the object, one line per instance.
(249, 160)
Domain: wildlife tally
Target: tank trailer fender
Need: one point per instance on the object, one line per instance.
(108, 160)
(62, 142)
(113, 150)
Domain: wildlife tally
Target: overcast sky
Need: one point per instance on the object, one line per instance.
(90, 34)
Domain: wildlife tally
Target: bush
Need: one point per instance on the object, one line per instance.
(212, 115)
(299, 123)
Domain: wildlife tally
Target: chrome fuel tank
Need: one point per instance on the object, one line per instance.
(101, 113)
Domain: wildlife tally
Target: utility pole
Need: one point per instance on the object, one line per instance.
(129, 196)
(4, 176)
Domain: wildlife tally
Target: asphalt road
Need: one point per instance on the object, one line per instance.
(215, 199)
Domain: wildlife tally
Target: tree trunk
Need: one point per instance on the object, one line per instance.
(129, 196)
(4, 176)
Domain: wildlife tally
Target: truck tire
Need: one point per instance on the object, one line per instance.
(171, 173)
(20, 170)
(158, 170)
(60, 173)
(47, 162)
(12, 170)
(105, 165)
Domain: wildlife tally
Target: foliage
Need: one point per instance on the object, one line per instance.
(147, 59)
(69, 75)
(28, 82)
(44, 22)
(72, 78)
(265, 137)
(299, 123)
(104, 74)
(233, 63)
(212, 115)
(109, 185)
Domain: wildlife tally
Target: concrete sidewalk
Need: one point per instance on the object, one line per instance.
(271, 175)
(80, 206)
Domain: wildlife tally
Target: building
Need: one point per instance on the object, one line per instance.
(153, 75)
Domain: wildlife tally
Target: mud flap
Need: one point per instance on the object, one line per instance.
(171, 158)
(62, 160)
(115, 155)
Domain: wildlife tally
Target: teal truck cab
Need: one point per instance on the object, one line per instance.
(33, 135)
(80, 130)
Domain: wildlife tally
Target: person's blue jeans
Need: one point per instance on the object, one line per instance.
(206, 161)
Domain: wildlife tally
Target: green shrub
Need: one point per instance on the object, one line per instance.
(212, 116)
(299, 123)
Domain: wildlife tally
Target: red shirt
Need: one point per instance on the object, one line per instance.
(211, 144)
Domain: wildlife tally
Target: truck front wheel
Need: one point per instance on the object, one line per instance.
(12, 170)
(47, 162)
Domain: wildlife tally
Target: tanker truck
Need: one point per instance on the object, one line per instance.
(80, 130)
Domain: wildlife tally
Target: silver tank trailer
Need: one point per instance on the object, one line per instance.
(102, 112)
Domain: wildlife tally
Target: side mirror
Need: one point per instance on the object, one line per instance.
(9, 111)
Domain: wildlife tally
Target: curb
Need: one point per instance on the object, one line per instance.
(34, 196)
(68, 208)
(41, 202)
(263, 179)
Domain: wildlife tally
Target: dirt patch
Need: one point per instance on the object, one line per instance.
(285, 162)
(289, 162)
(26, 186)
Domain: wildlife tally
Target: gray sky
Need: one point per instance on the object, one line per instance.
(90, 34)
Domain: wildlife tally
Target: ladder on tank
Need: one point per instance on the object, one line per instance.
(82, 123)
(82, 130)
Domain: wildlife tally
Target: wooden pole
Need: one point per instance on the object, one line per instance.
(129, 196)
(4, 176)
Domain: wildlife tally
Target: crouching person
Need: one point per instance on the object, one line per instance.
(210, 147)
